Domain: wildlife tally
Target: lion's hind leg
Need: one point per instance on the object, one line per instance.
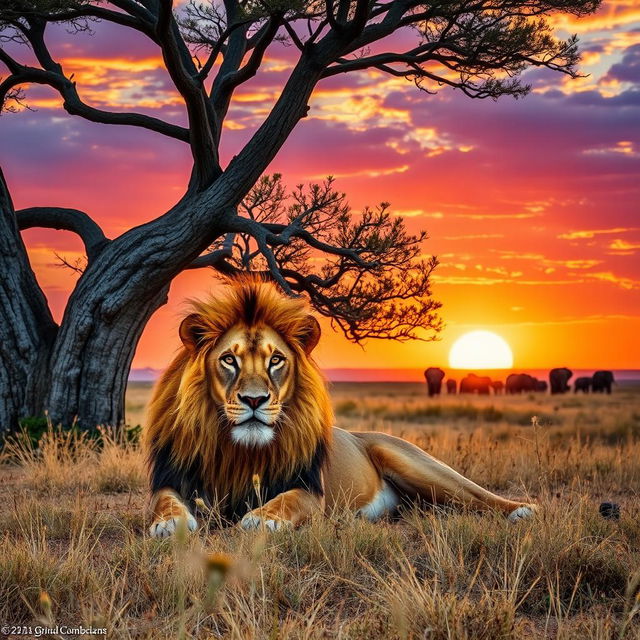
(416, 474)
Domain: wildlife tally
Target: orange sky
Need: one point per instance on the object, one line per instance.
(531, 205)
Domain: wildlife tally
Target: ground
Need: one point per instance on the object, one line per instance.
(74, 548)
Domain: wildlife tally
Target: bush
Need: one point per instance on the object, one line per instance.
(34, 427)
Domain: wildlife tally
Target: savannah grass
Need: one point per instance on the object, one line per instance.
(74, 548)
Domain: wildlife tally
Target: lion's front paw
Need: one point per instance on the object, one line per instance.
(253, 520)
(166, 528)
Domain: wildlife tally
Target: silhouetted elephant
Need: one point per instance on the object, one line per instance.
(558, 379)
(498, 386)
(541, 385)
(520, 382)
(475, 384)
(582, 384)
(602, 381)
(434, 376)
(514, 383)
(451, 386)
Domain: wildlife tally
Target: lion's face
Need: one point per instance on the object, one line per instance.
(251, 373)
(245, 366)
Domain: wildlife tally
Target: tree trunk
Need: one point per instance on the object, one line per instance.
(108, 310)
(27, 330)
(90, 369)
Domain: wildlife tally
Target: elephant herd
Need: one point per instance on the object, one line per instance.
(599, 382)
(517, 383)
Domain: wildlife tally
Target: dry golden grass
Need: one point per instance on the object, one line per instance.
(73, 526)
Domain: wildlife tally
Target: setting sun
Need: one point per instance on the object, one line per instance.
(480, 350)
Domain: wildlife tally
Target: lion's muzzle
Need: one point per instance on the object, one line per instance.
(253, 423)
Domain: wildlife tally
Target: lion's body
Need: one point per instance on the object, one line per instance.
(242, 419)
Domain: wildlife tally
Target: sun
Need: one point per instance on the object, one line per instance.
(480, 350)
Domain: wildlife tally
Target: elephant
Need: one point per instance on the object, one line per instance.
(558, 379)
(434, 377)
(602, 381)
(498, 387)
(519, 382)
(513, 384)
(475, 384)
(582, 384)
(541, 385)
(451, 386)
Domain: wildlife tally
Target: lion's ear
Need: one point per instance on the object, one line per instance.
(192, 330)
(309, 336)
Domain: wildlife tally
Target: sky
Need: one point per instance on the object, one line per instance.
(531, 205)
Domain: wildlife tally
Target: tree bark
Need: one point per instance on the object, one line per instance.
(27, 329)
(91, 361)
(107, 312)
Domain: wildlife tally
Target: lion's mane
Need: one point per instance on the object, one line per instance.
(189, 450)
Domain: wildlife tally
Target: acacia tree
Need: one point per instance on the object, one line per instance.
(371, 282)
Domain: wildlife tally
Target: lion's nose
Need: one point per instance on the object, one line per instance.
(253, 401)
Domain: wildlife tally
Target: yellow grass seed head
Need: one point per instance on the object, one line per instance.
(200, 503)
(220, 563)
(45, 603)
(217, 568)
(256, 486)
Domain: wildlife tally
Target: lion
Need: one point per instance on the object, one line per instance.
(242, 421)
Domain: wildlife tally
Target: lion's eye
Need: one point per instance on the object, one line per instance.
(228, 359)
(276, 360)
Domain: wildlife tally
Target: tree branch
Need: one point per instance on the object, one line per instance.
(73, 105)
(280, 234)
(475, 40)
(140, 10)
(231, 74)
(217, 259)
(216, 48)
(291, 32)
(68, 220)
(365, 272)
(179, 64)
(247, 71)
(138, 21)
(202, 120)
